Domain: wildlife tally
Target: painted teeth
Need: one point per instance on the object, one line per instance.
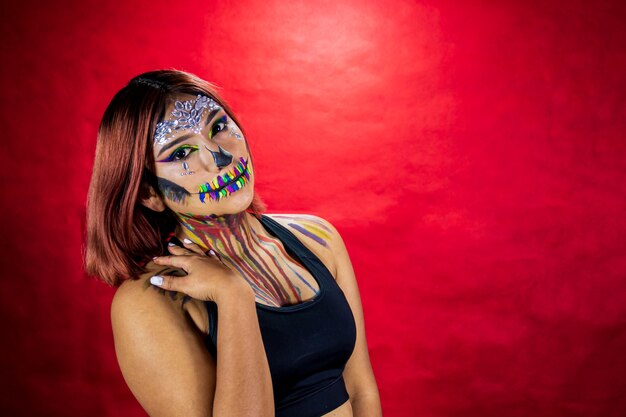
(217, 188)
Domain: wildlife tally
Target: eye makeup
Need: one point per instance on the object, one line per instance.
(227, 183)
(222, 120)
(176, 153)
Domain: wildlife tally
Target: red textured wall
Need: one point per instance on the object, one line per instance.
(471, 153)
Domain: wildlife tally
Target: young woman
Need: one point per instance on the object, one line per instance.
(220, 309)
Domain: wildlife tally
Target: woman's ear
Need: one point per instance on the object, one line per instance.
(150, 198)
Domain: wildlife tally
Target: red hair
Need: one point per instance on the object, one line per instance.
(123, 235)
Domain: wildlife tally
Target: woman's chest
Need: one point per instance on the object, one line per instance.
(308, 341)
(279, 278)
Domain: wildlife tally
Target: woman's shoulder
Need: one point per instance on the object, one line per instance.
(157, 348)
(135, 290)
(315, 232)
(314, 228)
(138, 302)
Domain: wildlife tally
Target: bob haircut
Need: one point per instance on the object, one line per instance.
(122, 235)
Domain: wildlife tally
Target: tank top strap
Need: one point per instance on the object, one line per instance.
(297, 249)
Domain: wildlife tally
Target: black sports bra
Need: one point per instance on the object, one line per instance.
(307, 344)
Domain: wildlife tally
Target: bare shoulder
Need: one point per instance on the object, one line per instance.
(136, 310)
(316, 233)
(137, 300)
(159, 349)
(136, 287)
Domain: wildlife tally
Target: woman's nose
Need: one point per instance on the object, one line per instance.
(221, 158)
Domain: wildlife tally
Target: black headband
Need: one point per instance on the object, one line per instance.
(151, 83)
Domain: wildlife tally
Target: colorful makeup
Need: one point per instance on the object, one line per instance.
(222, 120)
(264, 266)
(311, 227)
(226, 184)
(182, 152)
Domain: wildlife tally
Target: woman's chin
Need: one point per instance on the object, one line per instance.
(237, 201)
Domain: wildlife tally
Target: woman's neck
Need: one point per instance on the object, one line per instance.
(242, 243)
(227, 234)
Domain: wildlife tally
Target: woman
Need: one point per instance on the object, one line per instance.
(244, 314)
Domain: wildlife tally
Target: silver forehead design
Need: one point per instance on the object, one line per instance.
(187, 115)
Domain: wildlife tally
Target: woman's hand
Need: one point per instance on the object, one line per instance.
(207, 278)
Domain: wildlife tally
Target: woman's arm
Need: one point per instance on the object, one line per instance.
(168, 368)
(358, 373)
(244, 383)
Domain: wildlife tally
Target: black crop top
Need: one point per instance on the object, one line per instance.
(307, 344)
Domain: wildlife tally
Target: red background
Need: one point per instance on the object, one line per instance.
(470, 153)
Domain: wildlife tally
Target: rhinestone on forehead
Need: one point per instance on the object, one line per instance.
(187, 115)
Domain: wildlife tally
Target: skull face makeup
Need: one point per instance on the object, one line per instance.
(203, 162)
(226, 184)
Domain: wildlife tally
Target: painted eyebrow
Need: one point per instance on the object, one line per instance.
(188, 135)
(174, 142)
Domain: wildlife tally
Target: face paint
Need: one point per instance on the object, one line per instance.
(226, 184)
(221, 187)
(182, 152)
(228, 235)
(187, 115)
(191, 115)
(222, 158)
(309, 226)
(173, 191)
(220, 123)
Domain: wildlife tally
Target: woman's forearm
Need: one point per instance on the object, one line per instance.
(244, 384)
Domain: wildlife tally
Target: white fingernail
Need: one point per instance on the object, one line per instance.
(156, 280)
(171, 244)
(187, 241)
(212, 252)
